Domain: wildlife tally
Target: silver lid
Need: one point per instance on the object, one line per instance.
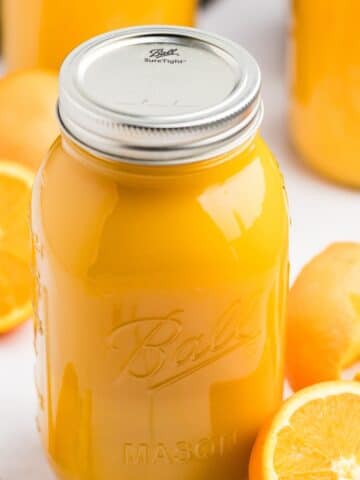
(159, 95)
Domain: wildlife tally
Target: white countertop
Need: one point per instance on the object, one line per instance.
(321, 213)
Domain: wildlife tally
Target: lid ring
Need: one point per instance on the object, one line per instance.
(159, 95)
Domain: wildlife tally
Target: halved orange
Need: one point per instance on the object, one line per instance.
(314, 436)
(16, 285)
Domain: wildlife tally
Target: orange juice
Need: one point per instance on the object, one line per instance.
(160, 244)
(325, 91)
(40, 33)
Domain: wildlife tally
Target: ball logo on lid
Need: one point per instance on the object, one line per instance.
(161, 52)
(163, 55)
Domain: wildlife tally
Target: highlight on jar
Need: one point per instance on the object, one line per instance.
(154, 267)
(325, 87)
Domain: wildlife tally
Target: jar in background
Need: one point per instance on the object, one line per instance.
(325, 90)
(160, 233)
(40, 33)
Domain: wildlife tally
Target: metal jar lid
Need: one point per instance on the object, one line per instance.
(159, 95)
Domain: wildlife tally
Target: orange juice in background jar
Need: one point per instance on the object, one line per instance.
(160, 233)
(40, 33)
(325, 91)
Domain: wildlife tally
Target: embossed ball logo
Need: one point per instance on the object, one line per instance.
(161, 349)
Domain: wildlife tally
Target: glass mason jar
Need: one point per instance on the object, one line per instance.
(40, 33)
(325, 90)
(160, 234)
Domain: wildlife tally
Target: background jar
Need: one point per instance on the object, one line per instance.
(325, 98)
(40, 33)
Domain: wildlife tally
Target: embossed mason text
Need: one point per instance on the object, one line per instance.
(183, 451)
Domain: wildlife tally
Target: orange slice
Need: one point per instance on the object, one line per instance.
(323, 341)
(16, 285)
(315, 436)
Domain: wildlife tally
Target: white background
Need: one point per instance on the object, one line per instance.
(321, 213)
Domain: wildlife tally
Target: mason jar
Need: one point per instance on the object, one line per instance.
(160, 234)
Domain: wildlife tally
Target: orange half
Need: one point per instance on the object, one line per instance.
(16, 285)
(314, 436)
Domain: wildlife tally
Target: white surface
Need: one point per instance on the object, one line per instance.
(321, 213)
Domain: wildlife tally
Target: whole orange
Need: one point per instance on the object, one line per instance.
(28, 123)
(324, 317)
